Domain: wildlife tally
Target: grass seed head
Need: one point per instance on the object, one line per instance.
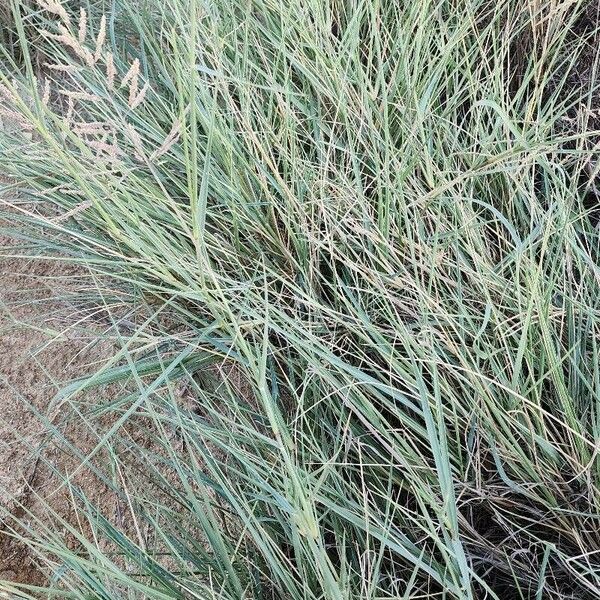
(169, 141)
(100, 39)
(82, 31)
(132, 73)
(46, 92)
(56, 8)
(134, 102)
(67, 39)
(111, 72)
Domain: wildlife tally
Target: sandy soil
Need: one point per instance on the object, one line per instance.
(43, 345)
(38, 351)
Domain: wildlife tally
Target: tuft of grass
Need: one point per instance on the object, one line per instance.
(362, 266)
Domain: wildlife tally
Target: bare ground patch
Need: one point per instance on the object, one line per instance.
(38, 351)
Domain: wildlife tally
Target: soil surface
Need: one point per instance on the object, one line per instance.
(39, 350)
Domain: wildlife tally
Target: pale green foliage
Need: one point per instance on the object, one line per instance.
(372, 212)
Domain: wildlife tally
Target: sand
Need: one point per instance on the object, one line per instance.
(39, 350)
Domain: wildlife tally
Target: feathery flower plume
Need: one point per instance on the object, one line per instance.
(135, 102)
(55, 8)
(111, 72)
(169, 141)
(46, 94)
(82, 25)
(133, 73)
(100, 39)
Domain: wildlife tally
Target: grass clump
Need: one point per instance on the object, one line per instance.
(360, 263)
